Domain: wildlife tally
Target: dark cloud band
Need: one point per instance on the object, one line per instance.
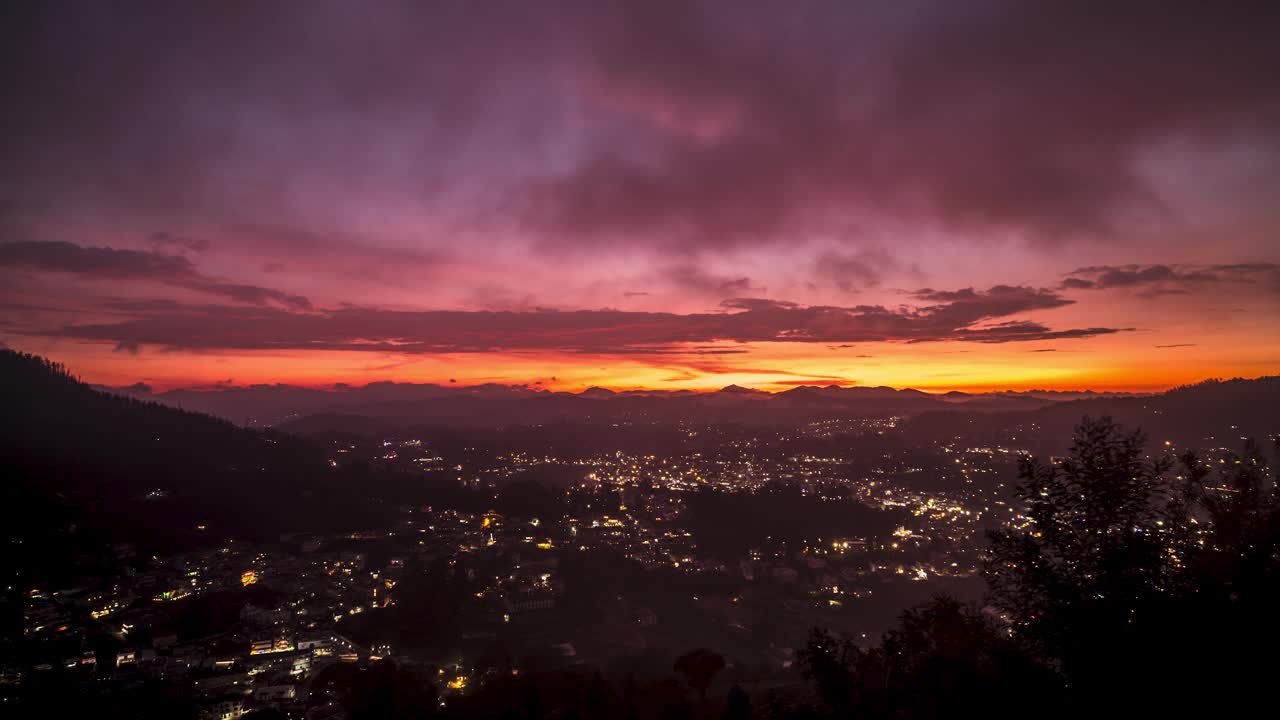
(966, 315)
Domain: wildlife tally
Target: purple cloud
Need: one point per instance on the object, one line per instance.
(965, 315)
(136, 265)
(1154, 280)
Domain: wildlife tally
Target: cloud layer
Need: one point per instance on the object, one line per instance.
(1154, 280)
(106, 263)
(675, 124)
(966, 315)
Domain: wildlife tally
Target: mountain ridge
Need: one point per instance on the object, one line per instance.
(265, 405)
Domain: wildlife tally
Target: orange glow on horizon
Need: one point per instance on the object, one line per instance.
(930, 367)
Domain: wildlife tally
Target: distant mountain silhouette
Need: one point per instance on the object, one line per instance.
(502, 405)
(739, 390)
(1188, 414)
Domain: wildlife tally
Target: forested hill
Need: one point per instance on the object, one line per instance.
(120, 445)
(78, 461)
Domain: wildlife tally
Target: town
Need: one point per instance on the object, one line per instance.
(605, 556)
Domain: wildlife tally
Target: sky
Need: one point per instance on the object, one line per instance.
(671, 195)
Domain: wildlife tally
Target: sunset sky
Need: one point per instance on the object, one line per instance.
(676, 195)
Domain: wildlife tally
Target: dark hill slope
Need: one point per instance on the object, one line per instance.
(78, 462)
(1214, 413)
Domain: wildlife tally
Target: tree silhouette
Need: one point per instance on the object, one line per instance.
(599, 698)
(699, 667)
(1092, 548)
(1127, 573)
(828, 661)
(943, 657)
(737, 704)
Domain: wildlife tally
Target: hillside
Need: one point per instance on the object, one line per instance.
(1210, 414)
(79, 464)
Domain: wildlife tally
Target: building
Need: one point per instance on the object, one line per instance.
(227, 708)
(526, 601)
(266, 646)
(275, 693)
